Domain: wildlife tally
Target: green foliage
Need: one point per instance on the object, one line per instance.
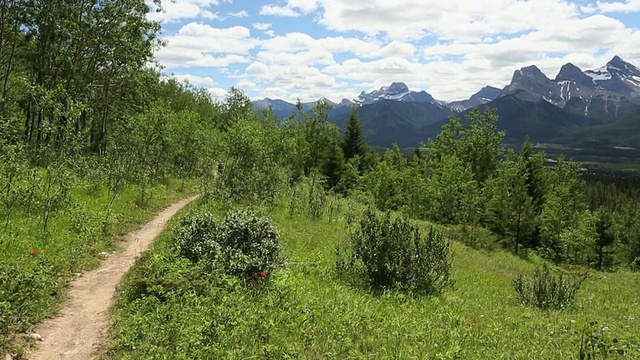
(547, 289)
(510, 210)
(353, 143)
(452, 195)
(605, 237)
(307, 311)
(242, 244)
(248, 172)
(477, 144)
(385, 183)
(37, 265)
(563, 212)
(578, 240)
(393, 254)
(597, 342)
(480, 147)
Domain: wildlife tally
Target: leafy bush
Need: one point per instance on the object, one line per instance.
(596, 342)
(243, 243)
(548, 290)
(393, 254)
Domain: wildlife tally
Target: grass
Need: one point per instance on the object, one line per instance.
(37, 263)
(169, 308)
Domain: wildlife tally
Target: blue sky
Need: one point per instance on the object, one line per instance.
(308, 49)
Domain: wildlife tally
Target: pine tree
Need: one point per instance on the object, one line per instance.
(510, 209)
(353, 143)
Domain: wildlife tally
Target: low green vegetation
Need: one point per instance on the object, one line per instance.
(41, 252)
(391, 254)
(311, 309)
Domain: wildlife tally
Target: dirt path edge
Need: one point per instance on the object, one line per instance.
(80, 331)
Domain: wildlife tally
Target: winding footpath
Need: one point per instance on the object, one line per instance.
(80, 331)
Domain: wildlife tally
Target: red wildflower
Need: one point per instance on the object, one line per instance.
(263, 274)
(34, 251)
(475, 320)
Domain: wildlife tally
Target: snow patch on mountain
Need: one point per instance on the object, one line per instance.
(600, 74)
(395, 91)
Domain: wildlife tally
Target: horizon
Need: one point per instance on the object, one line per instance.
(312, 49)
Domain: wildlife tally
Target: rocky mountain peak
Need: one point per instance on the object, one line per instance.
(397, 88)
(398, 91)
(527, 73)
(621, 67)
(486, 94)
(570, 72)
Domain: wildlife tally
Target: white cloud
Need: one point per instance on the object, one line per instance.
(304, 6)
(218, 93)
(239, 14)
(612, 7)
(462, 20)
(274, 10)
(261, 26)
(184, 9)
(293, 8)
(208, 39)
(184, 58)
(195, 80)
(257, 68)
(200, 45)
(296, 41)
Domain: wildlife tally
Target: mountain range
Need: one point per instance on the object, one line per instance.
(531, 105)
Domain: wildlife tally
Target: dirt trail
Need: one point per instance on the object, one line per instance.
(81, 329)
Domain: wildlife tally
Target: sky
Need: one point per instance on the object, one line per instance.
(311, 49)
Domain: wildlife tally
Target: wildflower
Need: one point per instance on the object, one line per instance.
(34, 251)
(263, 274)
(475, 320)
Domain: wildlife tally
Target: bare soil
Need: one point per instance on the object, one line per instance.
(80, 331)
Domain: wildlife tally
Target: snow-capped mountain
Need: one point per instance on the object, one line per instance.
(396, 91)
(619, 76)
(616, 83)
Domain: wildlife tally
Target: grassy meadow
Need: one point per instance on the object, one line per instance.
(170, 308)
(40, 258)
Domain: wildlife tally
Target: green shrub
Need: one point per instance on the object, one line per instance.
(597, 342)
(393, 254)
(242, 244)
(548, 290)
(197, 237)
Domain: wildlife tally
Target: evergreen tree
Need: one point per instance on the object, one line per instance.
(605, 235)
(563, 208)
(353, 143)
(510, 209)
